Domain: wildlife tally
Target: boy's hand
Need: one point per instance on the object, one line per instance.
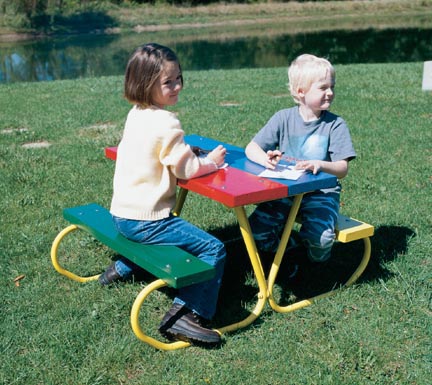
(338, 168)
(218, 155)
(310, 165)
(273, 158)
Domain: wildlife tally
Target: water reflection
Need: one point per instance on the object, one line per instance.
(78, 57)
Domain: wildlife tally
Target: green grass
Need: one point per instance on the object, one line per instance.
(56, 331)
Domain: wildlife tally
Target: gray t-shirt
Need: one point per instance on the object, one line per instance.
(327, 138)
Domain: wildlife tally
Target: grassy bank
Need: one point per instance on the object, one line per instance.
(232, 19)
(291, 15)
(55, 331)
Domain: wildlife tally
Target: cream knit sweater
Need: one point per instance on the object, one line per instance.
(150, 157)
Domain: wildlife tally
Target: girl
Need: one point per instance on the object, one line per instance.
(151, 156)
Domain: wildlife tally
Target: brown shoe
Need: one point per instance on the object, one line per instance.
(109, 276)
(180, 323)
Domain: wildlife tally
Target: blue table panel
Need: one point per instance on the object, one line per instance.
(236, 158)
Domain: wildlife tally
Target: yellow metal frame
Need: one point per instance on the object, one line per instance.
(135, 311)
(306, 302)
(265, 286)
(55, 260)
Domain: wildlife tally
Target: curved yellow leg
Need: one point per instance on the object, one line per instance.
(257, 268)
(135, 322)
(306, 302)
(54, 257)
(363, 263)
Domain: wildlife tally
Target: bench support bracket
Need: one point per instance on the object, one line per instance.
(55, 261)
(306, 302)
(135, 311)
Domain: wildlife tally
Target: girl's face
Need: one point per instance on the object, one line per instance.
(167, 87)
(320, 94)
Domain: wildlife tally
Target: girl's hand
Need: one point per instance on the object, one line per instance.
(218, 155)
(197, 150)
(310, 165)
(273, 158)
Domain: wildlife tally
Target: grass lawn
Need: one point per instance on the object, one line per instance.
(56, 331)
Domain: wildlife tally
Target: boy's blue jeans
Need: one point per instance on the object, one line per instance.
(201, 297)
(318, 211)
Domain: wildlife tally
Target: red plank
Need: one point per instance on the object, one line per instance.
(234, 187)
(111, 152)
(229, 186)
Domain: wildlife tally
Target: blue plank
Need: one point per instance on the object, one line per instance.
(236, 158)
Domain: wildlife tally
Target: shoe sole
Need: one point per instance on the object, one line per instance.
(172, 336)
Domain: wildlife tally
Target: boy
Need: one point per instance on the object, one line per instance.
(319, 141)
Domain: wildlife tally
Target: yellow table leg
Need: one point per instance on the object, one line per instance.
(181, 197)
(54, 257)
(253, 255)
(258, 271)
(281, 250)
(135, 321)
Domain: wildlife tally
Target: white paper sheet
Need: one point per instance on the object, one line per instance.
(282, 172)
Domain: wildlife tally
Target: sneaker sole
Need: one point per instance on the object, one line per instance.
(172, 336)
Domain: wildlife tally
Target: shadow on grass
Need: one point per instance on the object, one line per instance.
(239, 289)
(387, 244)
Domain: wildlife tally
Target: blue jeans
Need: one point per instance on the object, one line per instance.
(318, 212)
(201, 297)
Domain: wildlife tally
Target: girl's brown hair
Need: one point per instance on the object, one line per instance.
(143, 69)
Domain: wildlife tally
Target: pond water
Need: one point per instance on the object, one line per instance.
(102, 55)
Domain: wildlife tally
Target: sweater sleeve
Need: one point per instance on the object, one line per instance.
(178, 156)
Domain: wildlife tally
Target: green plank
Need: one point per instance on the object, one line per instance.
(175, 266)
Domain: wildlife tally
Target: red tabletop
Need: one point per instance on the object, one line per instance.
(111, 153)
(234, 187)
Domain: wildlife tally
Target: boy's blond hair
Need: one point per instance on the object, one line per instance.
(305, 70)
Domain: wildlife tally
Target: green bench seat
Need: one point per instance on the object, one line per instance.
(169, 263)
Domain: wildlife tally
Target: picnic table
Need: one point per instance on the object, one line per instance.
(239, 185)
(235, 186)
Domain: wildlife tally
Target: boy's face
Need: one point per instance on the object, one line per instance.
(168, 86)
(320, 94)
